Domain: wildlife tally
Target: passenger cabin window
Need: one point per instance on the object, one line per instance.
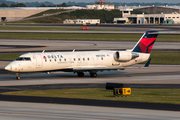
(83, 59)
(64, 59)
(74, 59)
(23, 59)
(88, 59)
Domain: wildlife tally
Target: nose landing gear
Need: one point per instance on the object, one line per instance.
(18, 76)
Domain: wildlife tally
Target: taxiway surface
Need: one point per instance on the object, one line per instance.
(155, 74)
(82, 32)
(79, 45)
(39, 111)
(125, 27)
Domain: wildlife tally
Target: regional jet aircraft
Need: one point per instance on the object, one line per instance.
(84, 61)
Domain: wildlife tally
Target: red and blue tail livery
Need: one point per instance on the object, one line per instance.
(146, 42)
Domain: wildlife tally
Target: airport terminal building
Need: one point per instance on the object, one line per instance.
(153, 18)
(173, 17)
(101, 6)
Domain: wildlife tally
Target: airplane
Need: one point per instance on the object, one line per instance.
(85, 61)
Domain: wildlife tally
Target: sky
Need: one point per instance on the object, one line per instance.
(127, 1)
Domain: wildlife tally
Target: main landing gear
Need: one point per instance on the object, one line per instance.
(18, 76)
(80, 74)
(92, 74)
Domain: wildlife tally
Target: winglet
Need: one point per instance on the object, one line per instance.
(148, 62)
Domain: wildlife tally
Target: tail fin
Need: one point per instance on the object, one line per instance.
(146, 42)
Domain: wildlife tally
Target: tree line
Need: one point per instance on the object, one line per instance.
(43, 5)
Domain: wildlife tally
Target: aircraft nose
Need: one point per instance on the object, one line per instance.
(8, 67)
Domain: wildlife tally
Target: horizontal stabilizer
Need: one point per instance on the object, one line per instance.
(148, 62)
(164, 32)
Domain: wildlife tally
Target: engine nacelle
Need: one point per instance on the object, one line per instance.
(124, 56)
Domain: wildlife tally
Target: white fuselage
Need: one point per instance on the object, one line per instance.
(49, 61)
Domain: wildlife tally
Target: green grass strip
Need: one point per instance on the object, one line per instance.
(167, 96)
(50, 36)
(165, 57)
(9, 56)
(51, 11)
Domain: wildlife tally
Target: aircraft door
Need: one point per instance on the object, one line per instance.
(39, 62)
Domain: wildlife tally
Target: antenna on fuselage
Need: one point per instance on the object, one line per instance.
(43, 51)
(73, 50)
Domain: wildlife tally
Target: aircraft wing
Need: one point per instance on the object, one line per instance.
(97, 68)
(85, 69)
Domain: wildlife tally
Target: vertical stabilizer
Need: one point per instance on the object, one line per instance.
(146, 42)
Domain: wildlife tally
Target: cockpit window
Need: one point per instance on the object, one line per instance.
(23, 59)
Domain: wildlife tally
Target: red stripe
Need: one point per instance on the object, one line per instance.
(147, 41)
(144, 43)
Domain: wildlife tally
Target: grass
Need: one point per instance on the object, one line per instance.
(54, 29)
(49, 36)
(9, 56)
(167, 96)
(165, 57)
(47, 12)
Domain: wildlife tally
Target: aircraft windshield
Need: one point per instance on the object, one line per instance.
(23, 59)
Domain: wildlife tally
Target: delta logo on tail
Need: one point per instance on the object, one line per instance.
(146, 42)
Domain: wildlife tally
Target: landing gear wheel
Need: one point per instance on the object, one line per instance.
(93, 74)
(18, 76)
(80, 74)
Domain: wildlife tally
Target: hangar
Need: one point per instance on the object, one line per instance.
(17, 14)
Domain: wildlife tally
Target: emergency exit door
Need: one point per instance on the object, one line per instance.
(39, 62)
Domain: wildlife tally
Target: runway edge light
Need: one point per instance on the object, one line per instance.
(122, 91)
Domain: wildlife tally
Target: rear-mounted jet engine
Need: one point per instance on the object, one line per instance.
(124, 56)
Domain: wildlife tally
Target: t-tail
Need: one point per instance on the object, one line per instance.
(146, 42)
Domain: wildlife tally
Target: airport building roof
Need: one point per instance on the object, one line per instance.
(138, 7)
